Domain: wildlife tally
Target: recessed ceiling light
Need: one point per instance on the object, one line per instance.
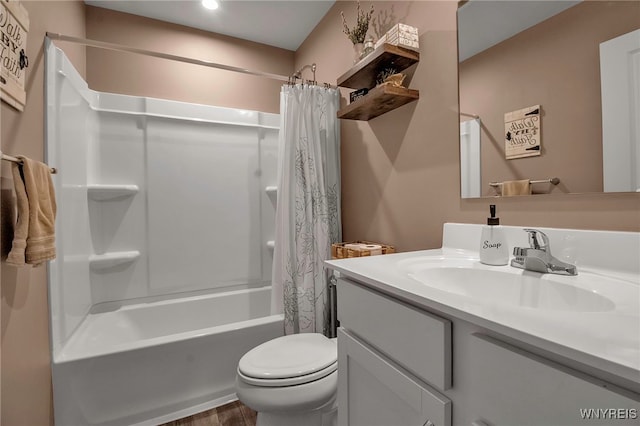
(210, 4)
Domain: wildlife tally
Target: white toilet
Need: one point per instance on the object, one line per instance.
(291, 381)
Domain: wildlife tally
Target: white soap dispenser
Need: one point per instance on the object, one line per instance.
(494, 249)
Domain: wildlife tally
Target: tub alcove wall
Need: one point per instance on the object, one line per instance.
(154, 195)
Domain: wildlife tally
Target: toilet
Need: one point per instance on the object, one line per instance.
(291, 381)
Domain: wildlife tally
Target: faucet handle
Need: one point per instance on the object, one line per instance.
(533, 239)
(520, 251)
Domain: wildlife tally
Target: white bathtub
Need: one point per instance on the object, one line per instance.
(154, 362)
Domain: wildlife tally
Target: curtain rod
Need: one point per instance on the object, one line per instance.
(121, 48)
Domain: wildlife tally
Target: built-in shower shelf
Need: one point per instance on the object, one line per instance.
(271, 190)
(272, 194)
(109, 260)
(111, 192)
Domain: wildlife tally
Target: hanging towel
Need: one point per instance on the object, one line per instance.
(34, 233)
(516, 187)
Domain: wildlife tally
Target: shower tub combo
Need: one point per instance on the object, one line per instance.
(162, 281)
(153, 362)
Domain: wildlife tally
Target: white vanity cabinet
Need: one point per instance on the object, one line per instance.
(387, 352)
(400, 364)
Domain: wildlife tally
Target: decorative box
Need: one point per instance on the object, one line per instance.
(401, 35)
(357, 94)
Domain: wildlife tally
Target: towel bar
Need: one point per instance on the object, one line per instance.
(553, 181)
(5, 157)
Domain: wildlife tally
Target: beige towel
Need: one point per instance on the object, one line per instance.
(516, 187)
(34, 233)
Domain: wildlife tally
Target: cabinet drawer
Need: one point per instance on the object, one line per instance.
(373, 392)
(417, 340)
(513, 387)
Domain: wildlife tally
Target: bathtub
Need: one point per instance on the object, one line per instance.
(149, 363)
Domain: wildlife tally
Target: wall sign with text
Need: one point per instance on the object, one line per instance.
(522, 133)
(14, 26)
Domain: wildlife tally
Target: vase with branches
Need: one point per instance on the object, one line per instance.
(358, 33)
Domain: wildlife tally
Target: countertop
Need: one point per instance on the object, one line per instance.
(607, 341)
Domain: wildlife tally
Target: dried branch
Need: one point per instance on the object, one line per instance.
(359, 31)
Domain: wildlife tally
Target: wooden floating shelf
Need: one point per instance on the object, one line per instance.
(378, 101)
(364, 73)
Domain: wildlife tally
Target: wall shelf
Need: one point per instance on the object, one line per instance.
(364, 73)
(271, 190)
(110, 192)
(380, 99)
(109, 260)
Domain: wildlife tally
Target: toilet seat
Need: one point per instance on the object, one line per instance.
(289, 361)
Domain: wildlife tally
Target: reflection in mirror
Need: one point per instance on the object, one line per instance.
(516, 55)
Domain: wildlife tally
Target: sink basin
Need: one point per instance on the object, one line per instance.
(510, 286)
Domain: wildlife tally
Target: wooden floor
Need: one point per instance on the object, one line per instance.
(232, 414)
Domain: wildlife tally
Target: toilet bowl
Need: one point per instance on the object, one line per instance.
(291, 381)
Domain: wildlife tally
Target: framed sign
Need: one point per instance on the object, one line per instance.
(522, 133)
(14, 26)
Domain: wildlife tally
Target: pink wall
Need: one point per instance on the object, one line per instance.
(400, 171)
(26, 372)
(138, 75)
(555, 64)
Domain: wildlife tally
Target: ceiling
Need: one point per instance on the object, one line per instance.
(284, 23)
(483, 23)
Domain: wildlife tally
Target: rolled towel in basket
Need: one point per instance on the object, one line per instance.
(374, 249)
(516, 187)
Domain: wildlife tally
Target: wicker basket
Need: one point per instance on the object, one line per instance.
(339, 251)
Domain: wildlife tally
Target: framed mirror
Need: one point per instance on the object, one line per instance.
(575, 63)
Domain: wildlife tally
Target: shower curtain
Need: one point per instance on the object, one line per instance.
(308, 206)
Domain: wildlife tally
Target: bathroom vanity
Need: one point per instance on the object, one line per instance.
(436, 338)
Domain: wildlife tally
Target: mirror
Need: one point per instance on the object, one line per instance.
(520, 57)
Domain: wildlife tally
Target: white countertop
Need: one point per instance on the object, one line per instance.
(608, 340)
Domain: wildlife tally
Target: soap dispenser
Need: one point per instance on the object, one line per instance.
(494, 249)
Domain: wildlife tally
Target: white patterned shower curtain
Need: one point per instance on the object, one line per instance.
(308, 207)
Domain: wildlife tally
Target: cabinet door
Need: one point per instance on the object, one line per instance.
(373, 392)
(510, 386)
(417, 340)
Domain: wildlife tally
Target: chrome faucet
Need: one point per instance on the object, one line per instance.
(538, 256)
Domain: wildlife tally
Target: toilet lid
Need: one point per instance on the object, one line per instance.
(304, 356)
